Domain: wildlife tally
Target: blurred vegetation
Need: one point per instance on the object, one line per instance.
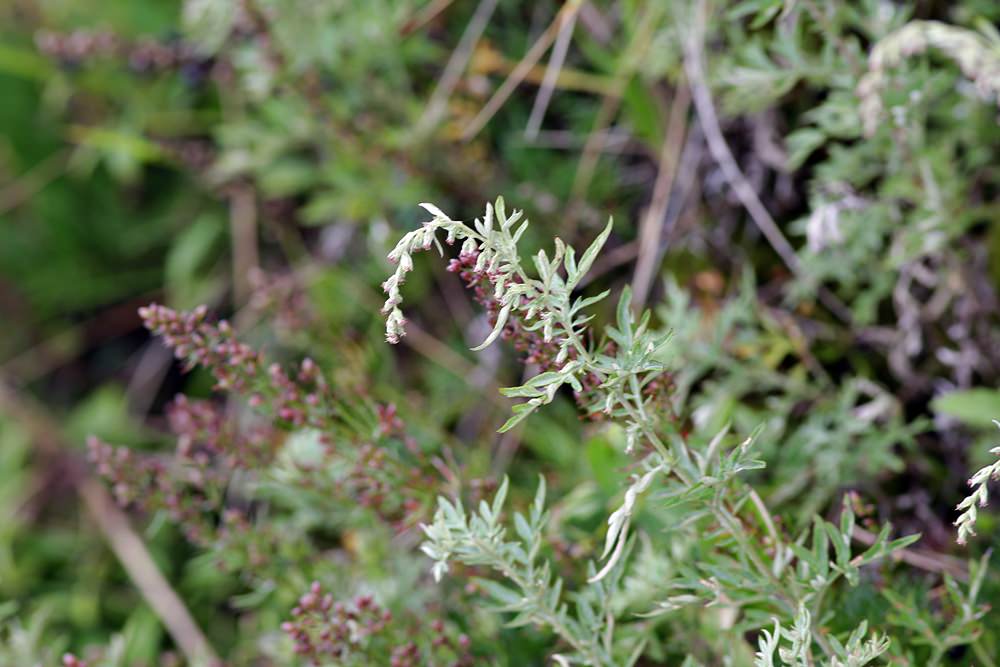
(806, 197)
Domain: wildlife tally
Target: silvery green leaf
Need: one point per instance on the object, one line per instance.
(569, 261)
(582, 302)
(521, 620)
(500, 208)
(497, 328)
(586, 612)
(588, 257)
(901, 543)
(767, 643)
(522, 527)
(643, 323)
(805, 556)
(520, 231)
(821, 547)
(434, 210)
(560, 250)
(501, 496)
(518, 553)
(499, 592)
(520, 392)
(484, 511)
(847, 518)
(521, 411)
(542, 265)
(555, 593)
(507, 223)
(624, 314)
(546, 378)
(538, 505)
(841, 544)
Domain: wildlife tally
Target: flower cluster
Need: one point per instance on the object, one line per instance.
(495, 247)
(298, 401)
(280, 296)
(357, 631)
(191, 486)
(613, 379)
(966, 521)
(143, 55)
(375, 464)
(322, 628)
(201, 343)
(974, 53)
(532, 345)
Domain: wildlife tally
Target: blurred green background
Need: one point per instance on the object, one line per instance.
(262, 157)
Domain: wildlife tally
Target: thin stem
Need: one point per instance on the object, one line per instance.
(735, 529)
(654, 440)
(694, 66)
(537, 593)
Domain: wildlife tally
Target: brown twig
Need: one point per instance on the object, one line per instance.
(918, 558)
(489, 61)
(551, 77)
(427, 13)
(694, 66)
(529, 60)
(456, 65)
(651, 230)
(114, 526)
(629, 63)
(609, 261)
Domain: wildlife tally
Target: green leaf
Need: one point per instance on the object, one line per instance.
(523, 391)
(500, 209)
(521, 411)
(190, 265)
(840, 545)
(497, 329)
(902, 542)
(522, 528)
(821, 547)
(500, 497)
(569, 261)
(582, 303)
(208, 23)
(538, 505)
(975, 407)
(499, 592)
(801, 144)
(587, 260)
(624, 316)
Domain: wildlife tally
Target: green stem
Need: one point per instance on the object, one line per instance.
(549, 616)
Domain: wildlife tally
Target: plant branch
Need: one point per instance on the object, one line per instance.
(114, 526)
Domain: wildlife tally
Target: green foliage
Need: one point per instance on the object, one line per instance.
(699, 470)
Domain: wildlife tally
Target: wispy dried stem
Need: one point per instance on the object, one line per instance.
(456, 65)
(114, 527)
(529, 60)
(651, 230)
(694, 66)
